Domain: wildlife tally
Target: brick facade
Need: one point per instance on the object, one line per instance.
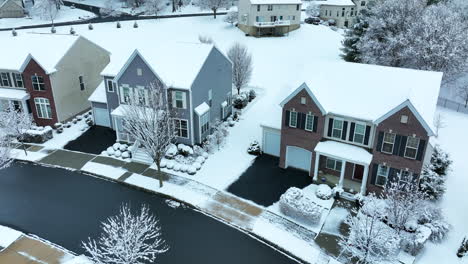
(31, 69)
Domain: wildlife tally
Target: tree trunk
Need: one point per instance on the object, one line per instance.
(160, 174)
(24, 148)
(238, 90)
(173, 6)
(214, 12)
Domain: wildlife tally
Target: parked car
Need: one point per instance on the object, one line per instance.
(332, 22)
(312, 20)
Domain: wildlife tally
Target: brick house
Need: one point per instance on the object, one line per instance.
(360, 132)
(54, 84)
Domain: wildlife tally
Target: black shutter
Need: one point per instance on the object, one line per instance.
(314, 128)
(9, 80)
(374, 173)
(366, 137)
(301, 120)
(380, 141)
(345, 128)
(421, 148)
(396, 146)
(29, 106)
(401, 153)
(14, 80)
(286, 119)
(392, 175)
(351, 131)
(330, 126)
(415, 177)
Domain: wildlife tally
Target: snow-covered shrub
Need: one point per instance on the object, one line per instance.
(185, 150)
(67, 125)
(323, 192)
(123, 147)
(177, 166)
(79, 117)
(440, 160)
(240, 101)
(170, 164)
(59, 130)
(53, 30)
(163, 163)
(254, 149)
(90, 27)
(110, 151)
(231, 17)
(38, 135)
(294, 204)
(200, 159)
(171, 151)
(209, 144)
(58, 125)
(431, 183)
(191, 170)
(252, 95)
(14, 33)
(463, 249)
(116, 146)
(125, 155)
(118, 24)
(72, 31)
(198, 151)
(89, 122)
(432, 217)
(135, 25)
(184, 168)
(413, 243)
(230, 121)
(196, 165)
(205, 39)
(117, 153)
(74, 120)
(205, 155)
(337, 191)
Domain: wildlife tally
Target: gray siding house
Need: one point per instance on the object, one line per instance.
(197, 78)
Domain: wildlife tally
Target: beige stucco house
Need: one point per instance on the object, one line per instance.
(343, 12)
(11, 9)
(269, 17)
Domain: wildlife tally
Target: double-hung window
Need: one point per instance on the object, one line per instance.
(406, 176)
(258, 9)
(181, 127)
(210, 97)
(359, 133)
(110, 86)
(270, 7)
(382, 175)
(309, 124)
(337, 128)
(5, 78)
(125, 95)
(38, 83)
(205, 122)
(18, 79)
(43, 108)
(388, 143)
(293, 119)
(179, 99)
(142, 96)
(411, 149)
(333, 164)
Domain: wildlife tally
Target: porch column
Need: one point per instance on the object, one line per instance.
(316, 166)
(342, 172)
(364, 180)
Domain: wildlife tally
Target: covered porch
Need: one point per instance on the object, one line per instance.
(342, 165)
(16, 98)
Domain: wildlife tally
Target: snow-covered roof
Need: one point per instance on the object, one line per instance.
(120, 111)
(202, 108)
(99, 95)
(13, 94)
(20, 48)
(344, 151)
(370, 92)
(273, 119)
(275, 2)
(337, 3)
(161, 58)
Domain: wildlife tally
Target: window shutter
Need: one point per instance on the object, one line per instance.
(122, 100)
(173, 98)
(330, 127)
(351, 131)
(302, 120)
(367, 135)
(401, 153)
(9, 80)
(392, 174)
(14, 81)
(314, 128)
(421, 148)
(184, 100)
(396, 147)
(286, 118)
(345, 129)
(415, 177)
(374, 173)
(380, 141)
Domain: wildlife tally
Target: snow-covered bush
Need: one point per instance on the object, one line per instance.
(337, 190)
(135, 25)
(79, 117)
(14, 33)
(171, 151)
(431, 183)
(89, 122)
(230, 121)
(72, 31)
(183, 168)
(294, 204)
(323, 192)
(313, 9)
(200, 159)
(432, 217)
(170, 164)
(413, 243)
(123, 147)
(90, 27)
(205, 39)
(198, 151)
(463, 249)
(118, 24)
(177, 166)
(116, 146)
(37, 135)
(67, 125)
(74, 120)
(209, 144)
(191, 170)
(252, 95)
(110, 151)
(231, 17)
(196, 165)
(254, 149)
(125, 155)
(118, 153)
(440, 160)
(185, 150)
(58, 125)
(240, 101)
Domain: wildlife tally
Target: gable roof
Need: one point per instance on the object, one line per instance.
(300, 88)
(25, 47)
(275, 2)
(372, 93)
(161, 58)
(337, 3)
(4, 2)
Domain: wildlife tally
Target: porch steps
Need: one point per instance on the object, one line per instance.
(140, 156)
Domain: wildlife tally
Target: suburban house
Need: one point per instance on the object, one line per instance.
(269, 17)
(53, 86)
(342, 12)
(11, 8)
(199, 88)
(359, 132)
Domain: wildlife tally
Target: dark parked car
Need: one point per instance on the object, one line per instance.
(312, 20)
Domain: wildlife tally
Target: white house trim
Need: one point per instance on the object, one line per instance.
(300, 88)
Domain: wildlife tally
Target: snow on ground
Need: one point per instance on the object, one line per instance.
(104, 170)
(336, 216)
(66, 14)
(68, 134)
(452, 139)
(76, 260)
(31, 156)
(8, 236)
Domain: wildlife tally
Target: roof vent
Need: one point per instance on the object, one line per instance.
(404, 119)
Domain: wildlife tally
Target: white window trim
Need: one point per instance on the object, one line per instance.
(410, 176)
(290, 119)
(121, 95)
(309, 116)
(363, 135)
(6, 79)
(379, 175)
(207, 114)
(40, 101)
(416, 149)
(180, 127)
(15, 75)
(333, 127)
(38, 83)
(174, 100)
(112, 85)
(392, 143)
(335, 162)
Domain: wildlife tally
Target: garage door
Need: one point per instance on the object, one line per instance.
(298, 158)
(271, 143)
(101, 117)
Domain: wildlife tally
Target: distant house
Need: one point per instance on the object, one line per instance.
(11, 9)
(342, 12)
(198, 85)
(269, 17)
(360, 132)
(50, 76)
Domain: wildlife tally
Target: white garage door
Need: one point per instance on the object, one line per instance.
(101, 117)
(271, 143)
(298, 158)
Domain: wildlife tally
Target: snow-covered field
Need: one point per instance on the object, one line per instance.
(65, 14)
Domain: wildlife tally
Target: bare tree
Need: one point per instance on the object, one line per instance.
(313, 9)
(46, 9)
(127, 239)
(153, 7)
(149, 120)
(205, 39)
(213, 5)
(15, 124)
(5, 150)
(241, 65)
(462, 93)
(231, 17)
(369, 240)
(439, 123)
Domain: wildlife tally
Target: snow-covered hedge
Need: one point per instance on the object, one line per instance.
(324, 192)
(294, 204)
(413, 243)
(38, 135)
(118, 150)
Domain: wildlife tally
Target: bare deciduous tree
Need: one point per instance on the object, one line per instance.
(313, 9)
(462, 93)
(5, 151)
(205, 39)
(213, 5)
(241, 65)
(127, 239)
(15, 124)
(153, 7)
(46, 9)
(231, 17)
(149, 120)
(439, 123)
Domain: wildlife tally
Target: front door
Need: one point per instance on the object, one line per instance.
(358, 172)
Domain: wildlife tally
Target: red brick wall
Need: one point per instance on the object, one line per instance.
(300, 137)
(34, 68)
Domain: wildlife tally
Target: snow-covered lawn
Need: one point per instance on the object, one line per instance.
(104, 170)
(31, 155)
(68, 134)
(65, 14)
(452, 139)
(8, 236)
